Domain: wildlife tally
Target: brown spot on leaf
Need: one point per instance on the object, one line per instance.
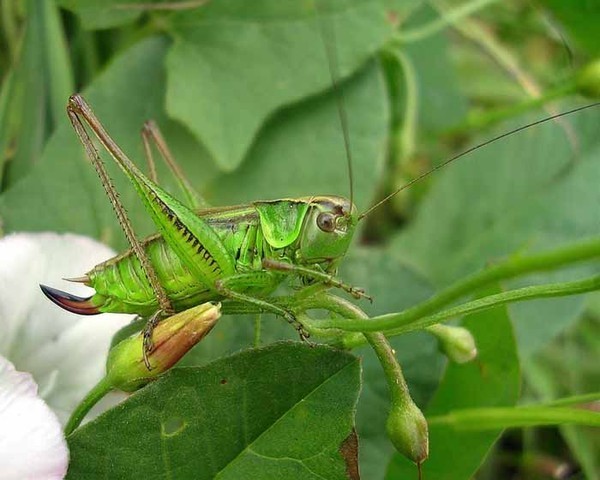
(223, 381)
(349, 451)
(393, 18)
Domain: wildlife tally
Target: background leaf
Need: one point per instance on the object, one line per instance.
(519, 195)
(272, 43)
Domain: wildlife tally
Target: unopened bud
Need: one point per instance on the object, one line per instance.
(407, 429)
(588, 80)
(457, 343)
(172, 338)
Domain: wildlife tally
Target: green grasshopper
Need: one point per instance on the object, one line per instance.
(236, 254)
(240, 253)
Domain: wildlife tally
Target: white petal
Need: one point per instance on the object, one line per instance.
(32, 445)
(64, 352)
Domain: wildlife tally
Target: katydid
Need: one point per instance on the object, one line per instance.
(241, 253)
(237, 253)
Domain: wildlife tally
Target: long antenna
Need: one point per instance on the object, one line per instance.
(472, 149)
(329, 41)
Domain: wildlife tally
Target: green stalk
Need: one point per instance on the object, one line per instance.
(91, 399)
(484, 120)
(574, 400)
(503, 271)
(10, 27)
(406, 425)
(449, 18)
(408, 132)
(491, 301)
(382, 348)
(534, 416)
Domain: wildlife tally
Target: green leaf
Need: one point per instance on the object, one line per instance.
(301, 150)
(58, 65)
(24, 123)
(234, 64)
(525, 193)
(284, 411)
(493, 379)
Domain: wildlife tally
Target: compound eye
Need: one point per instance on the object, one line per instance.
(326, 221)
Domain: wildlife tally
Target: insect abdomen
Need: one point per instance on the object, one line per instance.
(121, 285)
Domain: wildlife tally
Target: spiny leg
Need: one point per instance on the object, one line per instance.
(328, 279)
(152, 134)
(192, 239)
(76, 108)
(229, 287)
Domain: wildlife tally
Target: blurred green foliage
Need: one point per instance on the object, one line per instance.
(243, 93)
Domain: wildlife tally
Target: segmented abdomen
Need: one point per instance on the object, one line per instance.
(121, 284)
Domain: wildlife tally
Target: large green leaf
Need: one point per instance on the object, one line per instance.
(284, 411)
(235, 63)
(492, 380)
(529, 192)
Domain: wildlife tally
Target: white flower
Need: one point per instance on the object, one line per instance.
(64, 352)
(32, 445)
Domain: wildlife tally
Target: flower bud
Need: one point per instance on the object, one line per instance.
(407, 429)
(172, 338)
(457, 343)
(588, 80)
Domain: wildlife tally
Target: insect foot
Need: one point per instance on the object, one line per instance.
(302, 332)
(359, 293)
(148, 343)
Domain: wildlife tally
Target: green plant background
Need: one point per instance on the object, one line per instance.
(243, 93)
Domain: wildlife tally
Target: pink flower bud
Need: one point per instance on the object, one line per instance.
(172, 338)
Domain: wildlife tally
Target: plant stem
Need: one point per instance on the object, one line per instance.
(509, 269)
(11, 28)
(407, 136)
(574, 400)
(512, 417)
(431, 28)
(478, 122)
(93, 397)
(399, 393)
(491, 301)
